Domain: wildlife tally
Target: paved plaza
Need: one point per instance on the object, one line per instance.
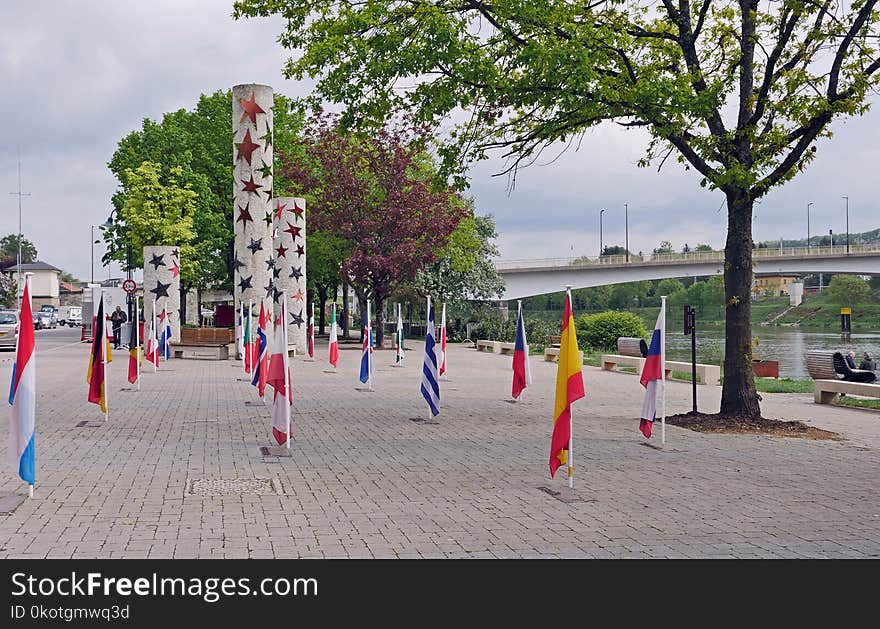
(177, 471)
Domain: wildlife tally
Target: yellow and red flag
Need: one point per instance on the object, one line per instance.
(569, 388)
(95, 376)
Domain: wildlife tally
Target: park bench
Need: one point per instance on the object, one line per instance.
(825, 368)
(205, 343)
(632, 352)
(489, 346)
(551, 354)
(507, 348)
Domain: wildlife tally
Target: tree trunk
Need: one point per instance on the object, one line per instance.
(199, 306)
(380, 320)
(345, 333)
(738, 395)
(182, 314)
(322, 302)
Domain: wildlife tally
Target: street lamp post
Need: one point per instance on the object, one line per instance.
(847, 224)
(626, 229)
(124, 230)
(808, 225)
(601, 248)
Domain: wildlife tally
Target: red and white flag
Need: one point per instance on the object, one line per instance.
(442, 369)
(151, 346)
(279, 378)
(652, 373)
(311, 332)
(334, 342)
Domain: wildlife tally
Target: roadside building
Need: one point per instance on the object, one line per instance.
(45, 283)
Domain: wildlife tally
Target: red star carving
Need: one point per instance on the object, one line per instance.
(298, 296)
(297, 209)
(250, 186)
(281, 251)
(300, 250)
(279, 208)
(175, 270)
(293, 231)
(251, 109)
(244, 215)
(162, 316)
(247, 148)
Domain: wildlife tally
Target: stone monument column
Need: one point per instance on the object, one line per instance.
(162, 284)
(289, 266)
(252, 193)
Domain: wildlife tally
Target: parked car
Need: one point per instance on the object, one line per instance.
(48, 319)
(69, 315)
(38, 320)
(74, 319)
(8, 329)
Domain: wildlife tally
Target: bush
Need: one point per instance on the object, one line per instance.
(494, 328)
(601, 331)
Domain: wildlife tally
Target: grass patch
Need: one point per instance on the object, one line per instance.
(784, 385)
(628, 369)
(859, 402)
(683, 375)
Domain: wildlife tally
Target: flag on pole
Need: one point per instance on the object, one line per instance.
(430, 387)
(151, 346)
(569, 388)
(261, 368)
(399, 337)
(248, 342)
(134, 352)
(522, 371)
(23, 396)
(108, 326)
(652, 372)
(279, 376)
(166, 333)
(240, 332)
(367, 349)
(311, 332)
(442, 369)
(334, 341)
(95, 375)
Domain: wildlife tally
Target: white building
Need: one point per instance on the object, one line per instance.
(44, 282)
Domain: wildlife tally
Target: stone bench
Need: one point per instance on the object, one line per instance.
(216, 351)
(828, 391)
(507, 348)
(551, 355)
(489, 346)
(708, 374)
(611, 361)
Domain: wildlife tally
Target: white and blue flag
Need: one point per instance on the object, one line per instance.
(23, 396)
(430, 386)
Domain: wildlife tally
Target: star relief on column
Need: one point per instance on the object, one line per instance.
(244, 215)
(247, 147)
(161, 289)
(251, 109)
(250, 185)
(157, 261)
(293, 231)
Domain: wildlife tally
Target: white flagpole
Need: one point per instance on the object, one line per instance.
(401, 335)
(104, 357)
(155, 332)
(663, 362)
(443, 349)
(570, 414)
(288, 393)
(249, 346)
(241, 331)
(333, 323)
(427, 322)
(369, 348)
(137, 339)
(311, 327)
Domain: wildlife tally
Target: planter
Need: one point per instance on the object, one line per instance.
(765, 368)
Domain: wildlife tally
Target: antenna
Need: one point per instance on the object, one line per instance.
(19, 194)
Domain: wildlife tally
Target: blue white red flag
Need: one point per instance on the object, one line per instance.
(430, 386)
(261, 365)
(367, 348)
(522, 371)
(652, 373)
(166, 333)
(23, 396)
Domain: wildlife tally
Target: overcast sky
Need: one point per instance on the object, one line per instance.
(80, 75)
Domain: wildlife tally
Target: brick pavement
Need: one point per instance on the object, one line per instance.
(365, 480)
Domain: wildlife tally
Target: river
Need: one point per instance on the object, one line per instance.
(787, 345)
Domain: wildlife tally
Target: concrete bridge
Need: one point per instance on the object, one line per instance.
(525, 278)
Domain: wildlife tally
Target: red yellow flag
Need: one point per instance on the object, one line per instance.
(569, 387)
(95, 375)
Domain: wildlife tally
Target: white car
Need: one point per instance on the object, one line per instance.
(8, 329)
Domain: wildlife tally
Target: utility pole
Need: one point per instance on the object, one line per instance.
(19, 194)
(808, 225)
(847, 225)
(626, 229)
(601, 249)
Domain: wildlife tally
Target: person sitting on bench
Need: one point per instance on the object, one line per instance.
(842, 367)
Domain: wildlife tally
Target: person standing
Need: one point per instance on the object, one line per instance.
(116, 320)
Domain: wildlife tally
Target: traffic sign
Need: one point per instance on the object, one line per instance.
(129, 286)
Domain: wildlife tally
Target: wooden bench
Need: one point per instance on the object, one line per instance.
(489, 346)
(507, 348)
(551, 354)
(827, 385)
(631, 352)
(204, 343)
(554, 341)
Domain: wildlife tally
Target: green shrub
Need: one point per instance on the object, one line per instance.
(493, 328)
(601, 331)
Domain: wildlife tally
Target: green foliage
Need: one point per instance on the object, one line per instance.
(9, 250)
(629, 295)
(493, 327)
(848, 290)
(784, 385)
(7, 291)
(669, 287)
(707, 298)
(601, 331)
(665, 247)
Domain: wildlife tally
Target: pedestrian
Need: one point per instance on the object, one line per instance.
(116, 320)
(868, 364)
(851, 360)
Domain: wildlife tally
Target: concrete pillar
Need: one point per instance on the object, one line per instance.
(252, 192)
(289, 266)
(162, 284)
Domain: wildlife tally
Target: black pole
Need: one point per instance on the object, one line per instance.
(694, 357)
(131, 296)
(626, 229)
(847, 225)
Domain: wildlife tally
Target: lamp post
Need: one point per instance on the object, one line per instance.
(124, 230)
(601, 248)
(847, 224)
(808, 225)
(626, 229)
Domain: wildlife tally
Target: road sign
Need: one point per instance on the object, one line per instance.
(129, 286)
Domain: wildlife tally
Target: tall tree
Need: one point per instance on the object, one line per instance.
(9, 250)
(381, 194)
(324, 258)
(739, 90)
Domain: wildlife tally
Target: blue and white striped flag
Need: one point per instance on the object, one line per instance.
(430, 388)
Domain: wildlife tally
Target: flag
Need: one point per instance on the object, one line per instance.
(248, 342)
(261, 368)
(430, 387)
(23, 396)
(334, 341)
(442, 369)
(240, 332)
(166, 333)
(652, 372)
(109, 328)
(279, 376)
(95, 375)
(522, 371)
(367, 348)
(311, 332)
(400, 349)
(569, 388)
(134, 352)
(151, 345)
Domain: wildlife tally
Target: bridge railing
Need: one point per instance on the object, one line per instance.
(691, 256)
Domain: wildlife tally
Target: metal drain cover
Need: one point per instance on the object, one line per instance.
(233, 486)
